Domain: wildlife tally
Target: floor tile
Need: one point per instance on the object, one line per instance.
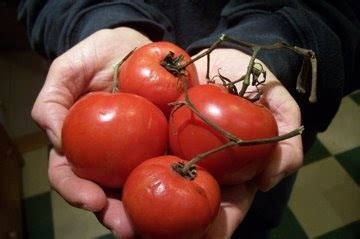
(350, 160)
(70, 222)
(324, 197)
(289, 227)
(350, 231)
(355, 96)
(34, 172)
(38, 217)
(344, 131)
(317, 152)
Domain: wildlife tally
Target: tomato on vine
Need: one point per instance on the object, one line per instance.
(163, 202)
(151, 71)
(189, 135)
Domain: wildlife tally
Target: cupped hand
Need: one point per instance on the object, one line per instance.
(288, 155)
(84, 68)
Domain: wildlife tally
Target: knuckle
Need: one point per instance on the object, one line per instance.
(36, 115)
(59, 64)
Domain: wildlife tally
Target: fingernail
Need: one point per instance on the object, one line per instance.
(274, 181)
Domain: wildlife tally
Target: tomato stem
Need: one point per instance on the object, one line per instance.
(116, 68)
(205, 53)
(172, 63)
(189, 173)
(239, 142)
(192, 107)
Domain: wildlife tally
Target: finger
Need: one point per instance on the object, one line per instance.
(236, 201)
(288, 154)
(283, 106)
(113, 217)
(76, 191)
(286, 159)
(55, 98)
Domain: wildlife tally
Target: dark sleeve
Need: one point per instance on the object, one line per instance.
(54, 26)
(256, 22)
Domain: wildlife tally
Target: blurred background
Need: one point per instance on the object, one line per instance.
(325, 202)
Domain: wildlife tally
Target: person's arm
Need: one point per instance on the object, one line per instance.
(55, 26)
(84, 39)
(259, 23)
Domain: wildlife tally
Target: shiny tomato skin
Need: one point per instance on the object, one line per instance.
(142, 74)
(189, 135)
(106, 135)
(163, 204)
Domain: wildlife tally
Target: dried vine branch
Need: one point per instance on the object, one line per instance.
(309, 59)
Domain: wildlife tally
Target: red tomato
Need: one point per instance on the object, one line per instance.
(163, 204)
(189, 135)
(143, 74)
(106, 135)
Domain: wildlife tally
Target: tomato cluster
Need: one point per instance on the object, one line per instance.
(130, 140)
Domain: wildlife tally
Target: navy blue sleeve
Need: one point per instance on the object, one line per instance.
(257, 23)
(54, 26)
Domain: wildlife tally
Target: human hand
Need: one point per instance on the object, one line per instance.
(84, 68)
(287, 157)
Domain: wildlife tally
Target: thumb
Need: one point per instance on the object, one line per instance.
(55, 98)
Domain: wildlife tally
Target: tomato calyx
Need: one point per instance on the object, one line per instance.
(186, 171)
(173, 64)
